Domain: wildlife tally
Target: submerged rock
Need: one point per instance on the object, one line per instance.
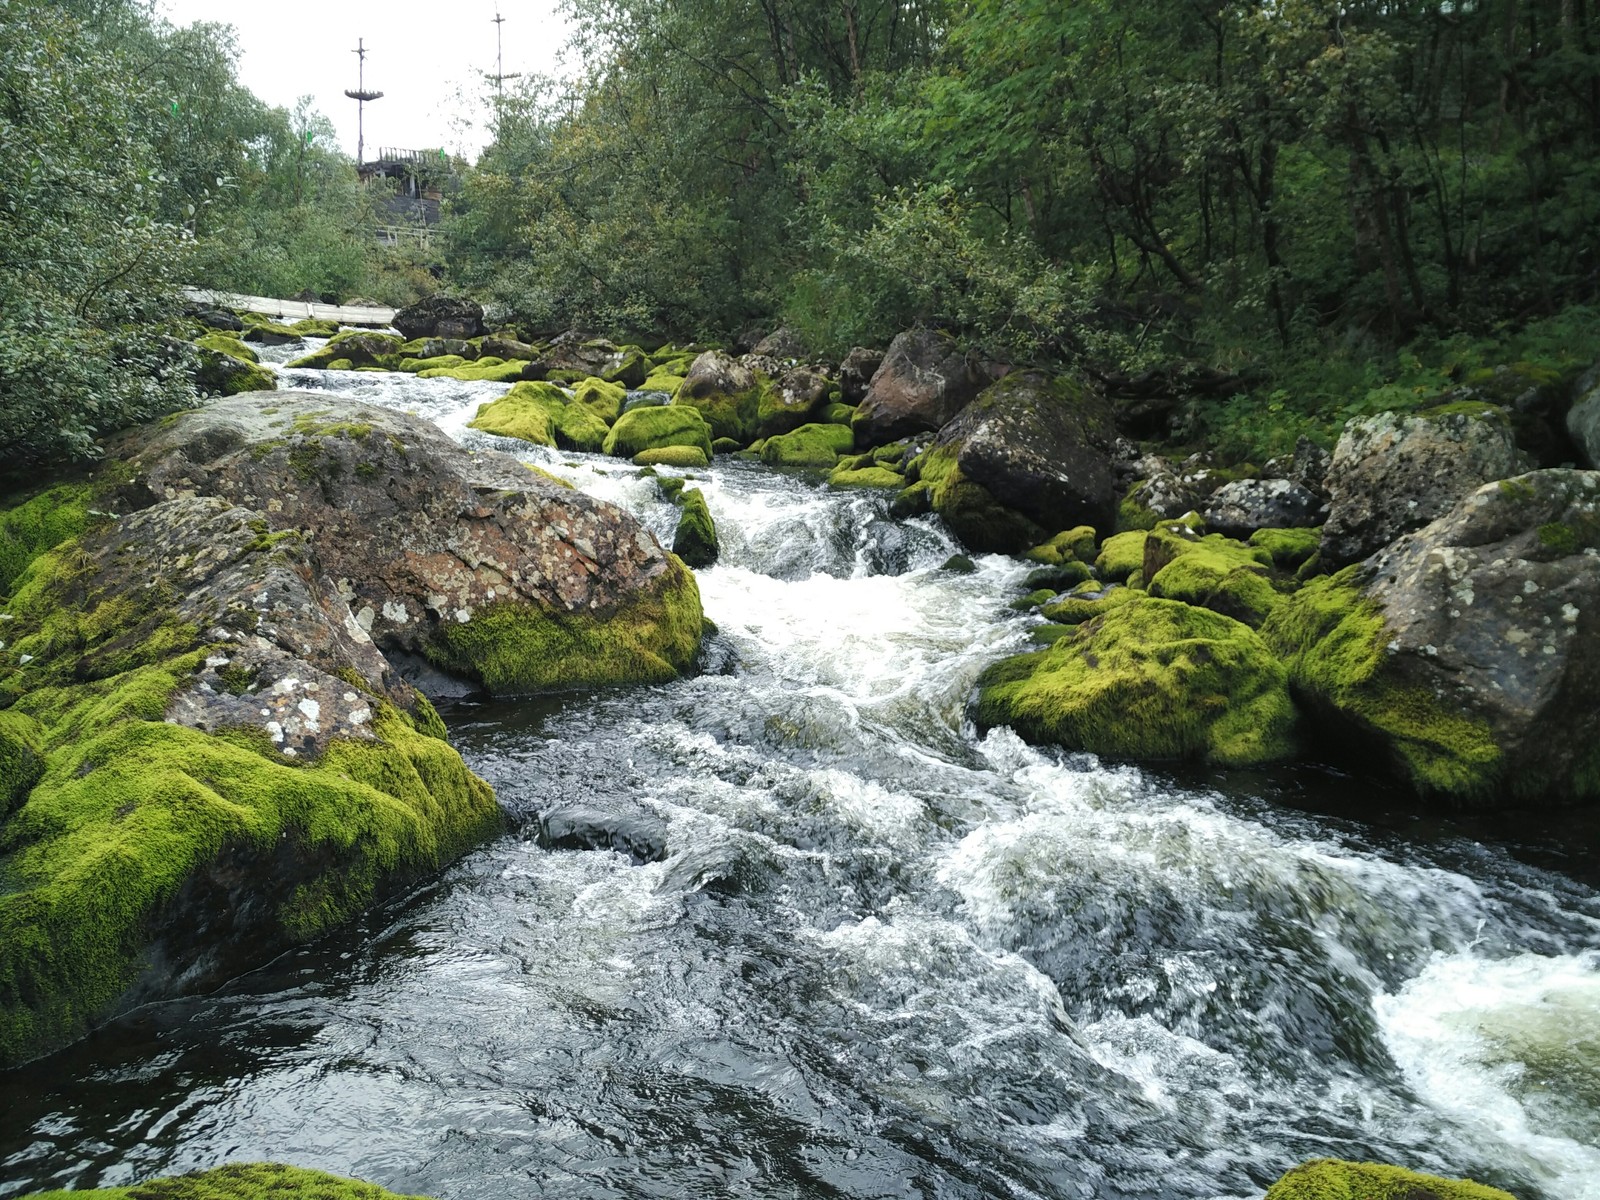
(1467, 654)
(1393, 473)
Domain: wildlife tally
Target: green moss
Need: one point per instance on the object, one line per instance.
(652, 428)
(517, 415)
(226, 343)
(1132, 515)
(315, 327)
(487, 370)
(339, 364)
(663, 380)
(670, 487)
(1068, 574)
(688, 457)
(971, 512)
(1331, 1179)
(1076, 608)
(1049, 633)
(838, 414)
(1465, 408)
(238, 1181)
(514, 648)
(1149, 679)
(1562, 539)
(40, 523)
(908, 501)
(725, 446)
(440, 362)
(604, 399)
(578, 427)
(549, 478)
(867, 477)
(1290, 548)
(1073, 545)
(1121, 555)
(361, 347)
(1333, 642)
(1033, 599)
(807, 446)
(696, 538)
(730, 414)
(1213, 572)
(21, 757)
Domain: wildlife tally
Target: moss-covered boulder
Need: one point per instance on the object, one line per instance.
(689, 458)
(664, 381)
(1331, 1179)
(363, 348)
(1210, 571)
(224, 343)
(603, 398)
(468, 559)
(651, 428)
(441, 316)
(807, 446)
(1149, 679)
(1121, 555)
(1290, 549)
(795, 398)
(1087, 603)
(522, 414)
(725, 446)
(485, 370)
(1466, 656)
(416, 366)
(238, 1181)
(269, 333)
(1070, 545)
(696, 538)
(222, 765)
(316, 327)
(1027, 457)
(867, 477)
(222, 373)
(725, 392)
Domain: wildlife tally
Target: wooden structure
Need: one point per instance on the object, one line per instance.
(371, 317)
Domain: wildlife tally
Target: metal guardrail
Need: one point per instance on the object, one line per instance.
(373, 316)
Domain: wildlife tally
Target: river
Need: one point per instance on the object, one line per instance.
(848, 947)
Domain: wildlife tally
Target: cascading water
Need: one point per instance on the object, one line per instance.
(880, 955)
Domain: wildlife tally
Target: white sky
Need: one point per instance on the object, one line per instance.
(427, 58)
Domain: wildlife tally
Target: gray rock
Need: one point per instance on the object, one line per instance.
(922, 383)
(1392, 473)
(782, 342)
(856, 372)
(1583, 418)
(440, 316)
(725, 392)
(1240, 508)
(795, 398)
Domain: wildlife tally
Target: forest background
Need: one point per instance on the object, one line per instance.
(1271, 217)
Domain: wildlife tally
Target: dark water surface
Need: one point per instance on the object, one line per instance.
(862, 951)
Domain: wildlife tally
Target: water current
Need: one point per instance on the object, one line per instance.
(849, 947)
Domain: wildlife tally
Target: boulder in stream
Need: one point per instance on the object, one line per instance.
(440, 316)
(921, 384)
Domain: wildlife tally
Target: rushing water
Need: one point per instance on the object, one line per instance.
(880, 955)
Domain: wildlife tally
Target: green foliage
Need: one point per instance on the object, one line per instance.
(238, 1181)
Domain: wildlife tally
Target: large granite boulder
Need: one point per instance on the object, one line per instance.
(1467, 654)
(725, 392)
(1025, 460)
(471, 561)
(1392, 473)
(440, 316)
(572, 358)
(1240, 508)
(922, 383)
(1583, 418)
(217, 763)
(856, 372)
(795, 398)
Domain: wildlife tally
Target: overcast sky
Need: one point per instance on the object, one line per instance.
(421, 57)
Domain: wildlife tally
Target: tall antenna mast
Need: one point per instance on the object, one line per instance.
(500, 75)
(361, 96)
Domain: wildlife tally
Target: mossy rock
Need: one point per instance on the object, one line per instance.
(1290, 549)
(866, 477)
(1211, 572)
(362, 347)
(670, 486)
(664, 382)
(516, 648)
(688, 457)
(444, 362)
(237, 1181)
(602, 397)
(1068, 574)
(39, 523)
(1077, 607)
(222, 374)
(629, 369)
(340, 364)
(1033, 599)
(651, 428)
(315, 327)
(696, 538)
(224, 343)
(1150, 679)
(808, 446)
(1333, 641)
(970, 510)
(838, 414)
(1049, 633)
(485, 370)
(152, 853)
(910, 502)
(1072, 545)
(578, 427)
(1332, 1179)
(269, 333)
(725, 446)
(518, 414)
(1133, 516)
(959, 564)
(1121, 555)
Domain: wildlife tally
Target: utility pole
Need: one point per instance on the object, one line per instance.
(361, 96)
(500, 75)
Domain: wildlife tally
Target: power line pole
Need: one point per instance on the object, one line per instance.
(500, 75)
(361, 96)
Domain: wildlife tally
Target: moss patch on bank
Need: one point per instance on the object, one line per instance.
(238, 1181)
(1332, 1179)
(515, 648)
